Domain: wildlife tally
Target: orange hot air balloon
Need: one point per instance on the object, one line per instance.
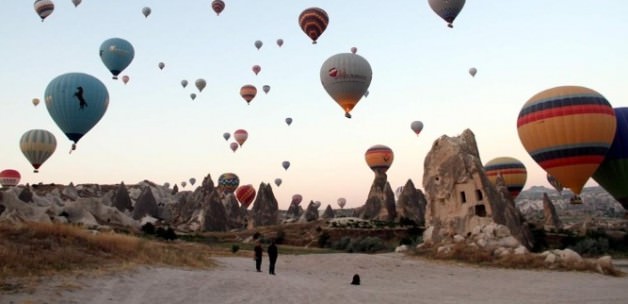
(379, 158)
(218, 6)
(567, 130)
(248, 92)
(240, 136)
(245, 195)
(256, 69)
(313, 22)
(511, 170)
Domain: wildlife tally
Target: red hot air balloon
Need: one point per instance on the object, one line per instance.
(245, 195)
(256, 69)
(218, 6)
(511, 170)
(248, 92)
(240, 136)
(313, 22)
(9, 178)
(234, 146)
(379, 158)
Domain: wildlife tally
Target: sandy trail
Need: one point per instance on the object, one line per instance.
(325, 278)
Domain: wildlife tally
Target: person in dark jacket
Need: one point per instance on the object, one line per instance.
(272, 257)
(258, 256)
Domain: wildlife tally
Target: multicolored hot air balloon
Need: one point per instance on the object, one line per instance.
(511, 170)
(218, 6)
(473, 71)
(313, 22)
(161, 65)
(228, 182)
(44, 8)
(288, 120)
(245, 195)
(184, 83)
(146, 11)
(9, 178)
(256, 69)
(37, 146)
(296, 199)
(240, 136)
(258, 44)
(200, 84)
(226, 135)
(417, 127)
(234, 146)
(285, 164)
(248, 92)
(116, 54)
(278, 181)
(567, 130)
(447, 9)
(612, 174)
(346, 77)
(342, 202)
(76, 102)
(35, 101)
(379, 158)
(555, 183)
(266, 88)
(280, 42)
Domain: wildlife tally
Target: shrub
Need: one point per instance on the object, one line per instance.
(369, 244)
(342, 243)
(235, 248)
(323, 239)
(256, 235)
(148, 228)
(280, 237)
(591, 246)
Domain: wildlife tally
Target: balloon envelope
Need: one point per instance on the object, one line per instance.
(567, 130)
(256, 69)
(248, 92)
(226, 135)
(379, 158)
(146, 11)
(417, 127)
(278, 182)
(37, 146)
(313, 22)
(258, 44)
(473, 71)
(193, 96)
(234, 146)
(447, 9)
(296, 199)
(511, 170)
(218, 6)
(285, 164)
(346, 77)
(354, 50)
(116, 54)
(43, 8)
(240, 136)
(125, 79)
(161, 65)
(35, 101)
(9, 178)
(184, 83)
(200, 84)
(279, 42)
(245, 195)
(192, 181)
(341, 202)
(288, 120)
(76, 2)
(76, 102)
(228, 182)
(266, 88)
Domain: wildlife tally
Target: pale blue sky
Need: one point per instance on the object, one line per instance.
(153, 130)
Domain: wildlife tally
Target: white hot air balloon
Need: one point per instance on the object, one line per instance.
(346, 78)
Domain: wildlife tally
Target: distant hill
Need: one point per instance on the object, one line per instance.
(596, 201)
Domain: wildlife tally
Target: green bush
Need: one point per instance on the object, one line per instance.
(369, 244)
(323, 239)
(341, 244)
(280, 237)
(591, 246)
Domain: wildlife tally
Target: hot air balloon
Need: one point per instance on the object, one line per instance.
(184, 83)
(346, 77)
(226, 135)
(248, 92)
(218, 6)
(35, 101)
(44, 8)
(258, 44)
(234, 146)
(288, 120)
(240, 136)
(116, 54)
(125, 79)
(76, 102)
(245, 195)
(473, 71)
(266, 88)
(447, 9)
(567, 130)
(285, 164)
(200, 84)
(76, 2)
(192, 181)
(146, 11)
(183, 184)
(9, 178)
(161, 65)
(37, 146)
(313, 22)
(417, 127)
(193, 96)
(256, 69)
(555, 183)
(379, 158)
(366, 94)
(612, 174)
(296, 199)
(228, 182)
(511, 170)
(342, 202)
(280, 42)
(354, 50)
(278, 181)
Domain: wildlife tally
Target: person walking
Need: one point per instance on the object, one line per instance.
(272, 257)
(258, 255)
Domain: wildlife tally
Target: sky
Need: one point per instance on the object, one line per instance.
(153, 130)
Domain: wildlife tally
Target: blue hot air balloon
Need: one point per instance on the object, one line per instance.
(116, 54)
(76, 102)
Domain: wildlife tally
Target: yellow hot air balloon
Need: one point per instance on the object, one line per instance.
(511, 170)
(567, 130)
(346, 78)
(379, 158)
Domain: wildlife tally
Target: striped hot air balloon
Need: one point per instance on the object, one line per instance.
(248, 92)
(44, 8)
(245, 195)
(218, 6)
(228, 182)
(313, 22)
(511, 170)
(346, 77)
(379, 158)
(9, 178)
(37, 146)
(241, 136)
(612, 174)
(567, 130)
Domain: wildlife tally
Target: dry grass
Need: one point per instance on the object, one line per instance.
(31, 250)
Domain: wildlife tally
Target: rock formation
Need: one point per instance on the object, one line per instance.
(265, 208)
(380, 203)
(121, 199)
(26, 195)
(328, 213)
(311, 212)
(411, 205)
(294, 211)
(145, 205)
(214, 216)
(552, 221)
(233, 212)
(70, 193)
